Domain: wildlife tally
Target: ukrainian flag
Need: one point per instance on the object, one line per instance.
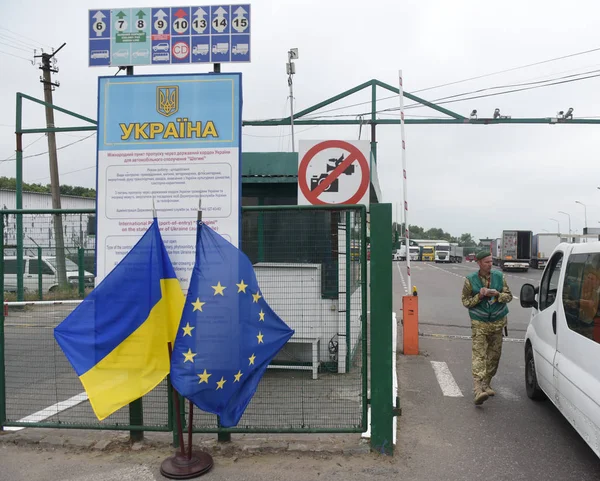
(116, 339)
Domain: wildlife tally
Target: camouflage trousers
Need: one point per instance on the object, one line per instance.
(487, 348)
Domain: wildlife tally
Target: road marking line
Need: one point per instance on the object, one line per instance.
(402, 279)
(50, 411)
(465, 338)
(445, 379)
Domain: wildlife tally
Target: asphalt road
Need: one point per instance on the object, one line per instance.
(442, 434)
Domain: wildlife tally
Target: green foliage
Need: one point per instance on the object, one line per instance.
(435, 233)
(11, 184)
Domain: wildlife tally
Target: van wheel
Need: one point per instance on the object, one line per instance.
(53, 288)
(531, 385)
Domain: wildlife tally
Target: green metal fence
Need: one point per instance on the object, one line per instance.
(311, 265)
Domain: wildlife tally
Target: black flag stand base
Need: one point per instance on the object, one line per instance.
(190, 464)
(181, 466)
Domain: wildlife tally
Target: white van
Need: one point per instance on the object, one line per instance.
(49, 276)
(562, 344)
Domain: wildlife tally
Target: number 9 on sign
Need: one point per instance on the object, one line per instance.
(160, 25)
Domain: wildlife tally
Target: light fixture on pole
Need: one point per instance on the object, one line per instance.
(569, 216)
(557, 224)
(584, 211)
(291, 70)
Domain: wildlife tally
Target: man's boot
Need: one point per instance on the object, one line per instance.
(485, 386)
(480, 395)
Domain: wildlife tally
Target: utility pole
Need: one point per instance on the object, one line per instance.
(47, 67)
(291, 70)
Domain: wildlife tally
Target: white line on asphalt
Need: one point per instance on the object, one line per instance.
(50, 411)
(402, 279)
(465, 338)
(446, 380)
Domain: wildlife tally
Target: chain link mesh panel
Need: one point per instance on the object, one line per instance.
(311, 267)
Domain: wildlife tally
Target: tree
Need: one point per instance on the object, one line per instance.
(11, 184)
(467, 240)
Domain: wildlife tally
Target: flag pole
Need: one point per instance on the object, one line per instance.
(192, 464)
(177, 409)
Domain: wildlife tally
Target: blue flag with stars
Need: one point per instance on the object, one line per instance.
(228, 334)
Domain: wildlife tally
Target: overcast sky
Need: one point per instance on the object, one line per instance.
(477, 179)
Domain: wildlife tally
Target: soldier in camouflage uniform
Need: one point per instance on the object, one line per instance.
(486, 294)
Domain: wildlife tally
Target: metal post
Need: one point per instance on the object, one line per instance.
(363, 300)
(217, 68)
(19, 199)
(136, 408)
(39, 269)
(373, 124)
(80, 261)
(584, 211)
(406, 229)
(348, 292)
(261, 231)
(2, 372)
(291, 70)
(382, 409)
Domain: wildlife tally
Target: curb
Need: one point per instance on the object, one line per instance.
(240, 445)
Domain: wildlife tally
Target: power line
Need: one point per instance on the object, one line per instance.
(468, 79)
(19, 35)
(18, 41)
(509, 70)
(58, 148)
(16, 47)
(66, 173)
(28, 145)
(17, 56)
(444, 100)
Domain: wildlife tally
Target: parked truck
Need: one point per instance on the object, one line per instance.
(542, 247)
(428, 253)
(512, 251)
(447, 252)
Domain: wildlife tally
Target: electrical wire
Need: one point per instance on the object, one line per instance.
(58, 148)
(17, 41)
(16, 47)
(509, 70)
(467, 79)
(28, 145)
(281, 134)
(17, 56)
(19, 35)
(65, 173)
(444, 100)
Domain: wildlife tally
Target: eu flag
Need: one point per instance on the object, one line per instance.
(117, 338)
(228, 334)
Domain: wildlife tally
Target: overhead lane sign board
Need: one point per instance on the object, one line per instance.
(333, 172)
(169, 35)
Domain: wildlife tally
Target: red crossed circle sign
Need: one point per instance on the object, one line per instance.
(353, 154)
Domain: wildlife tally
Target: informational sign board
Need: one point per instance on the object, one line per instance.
(167, 141)
(169, 35)
(333, 172)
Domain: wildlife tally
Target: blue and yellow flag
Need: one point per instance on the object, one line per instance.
(116, 339)
(228, 334)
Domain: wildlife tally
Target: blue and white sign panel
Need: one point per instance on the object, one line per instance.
(169, 35)
(167, 140)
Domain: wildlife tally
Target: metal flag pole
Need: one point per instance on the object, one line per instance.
(406, 230)
(190, 464)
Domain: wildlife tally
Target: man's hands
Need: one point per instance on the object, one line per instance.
(485, 292)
